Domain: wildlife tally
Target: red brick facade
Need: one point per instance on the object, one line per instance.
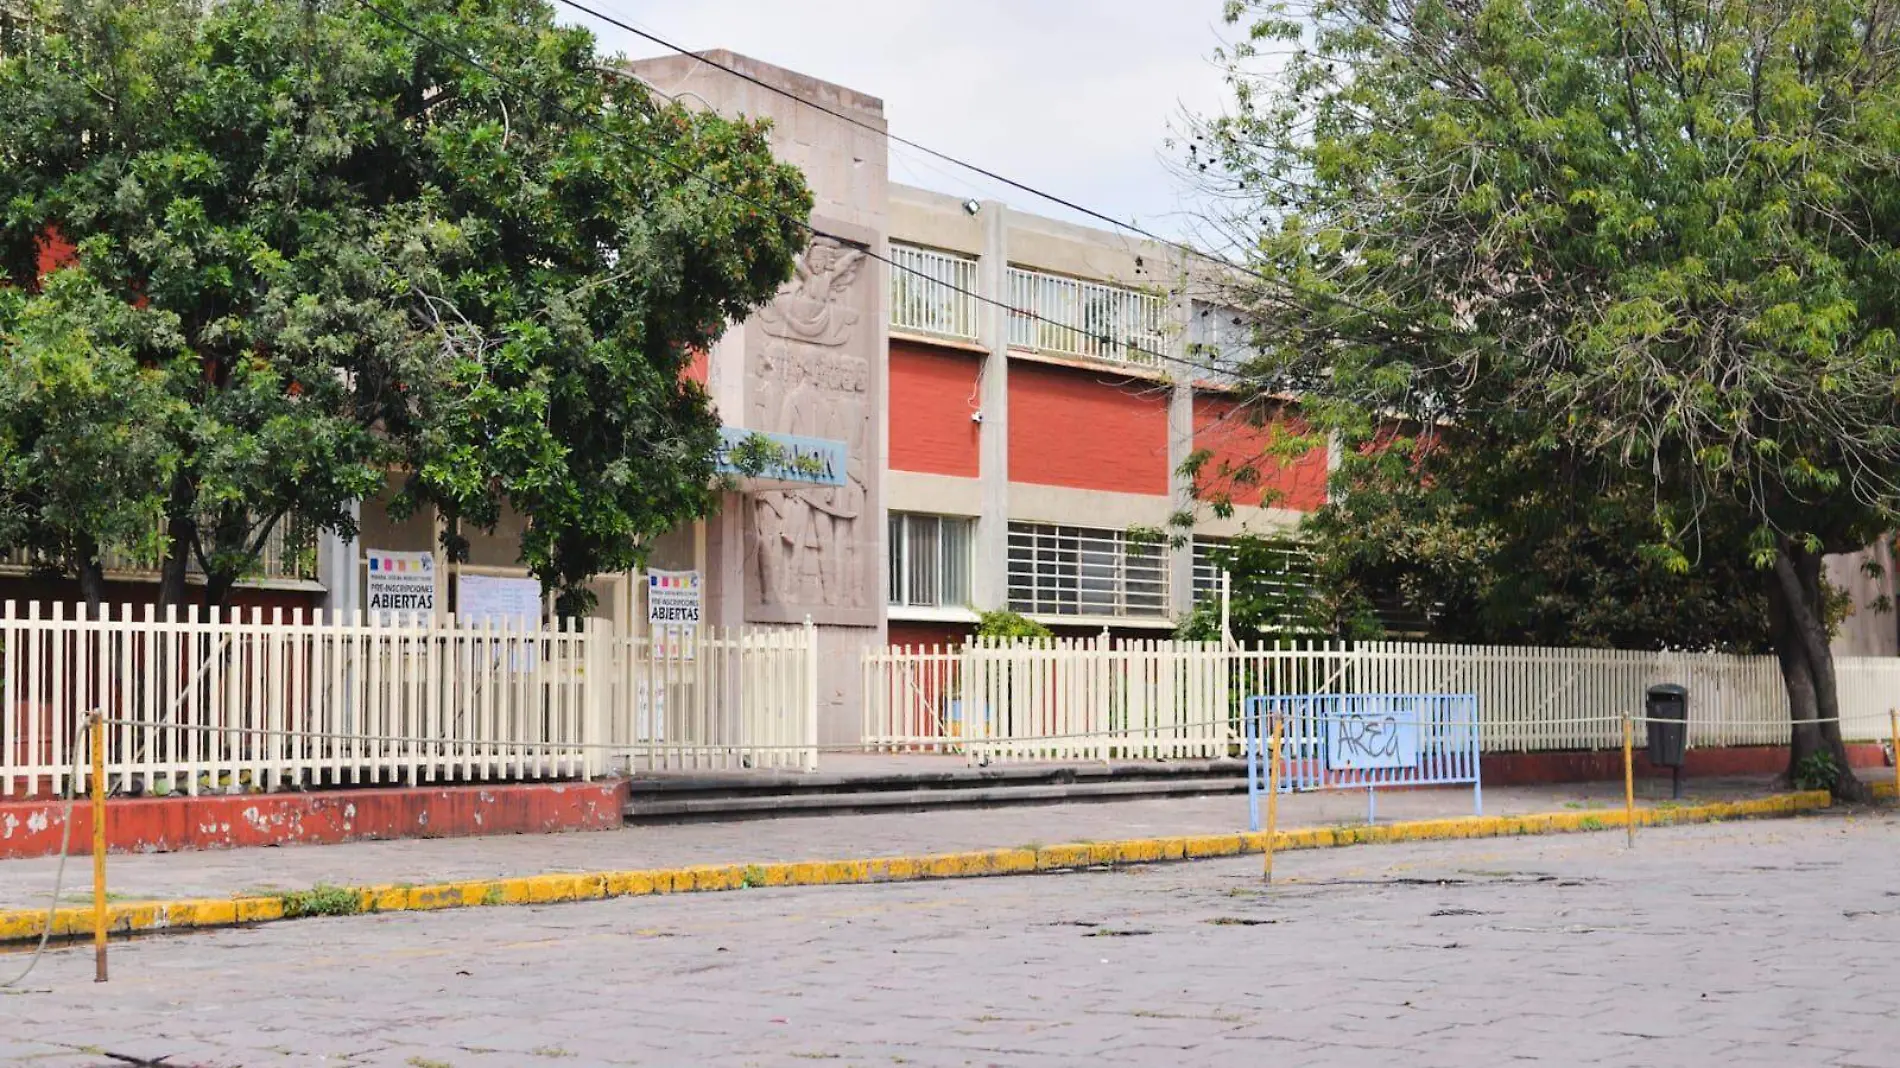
(1226, 430)
(1087, 430)
(933, 404)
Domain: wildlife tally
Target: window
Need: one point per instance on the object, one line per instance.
(1051, 313)
(1208, 566)
(930, 561)
(933, 292)
(1079, 571)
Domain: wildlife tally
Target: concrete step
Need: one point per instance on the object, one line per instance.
(687, 805)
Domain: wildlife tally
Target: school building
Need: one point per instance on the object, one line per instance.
(1009, 413)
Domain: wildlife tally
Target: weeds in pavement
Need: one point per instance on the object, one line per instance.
(322, 900)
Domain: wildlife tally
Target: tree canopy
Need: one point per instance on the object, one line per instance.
(440, 237)
(1652, 244)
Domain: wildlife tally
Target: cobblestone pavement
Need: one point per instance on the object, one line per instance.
(222, 873)
(1743, 944)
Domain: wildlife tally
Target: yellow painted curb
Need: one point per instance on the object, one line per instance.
(134, 917)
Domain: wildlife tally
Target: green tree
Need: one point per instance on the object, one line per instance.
(1484, 543)
(83, 448)
(1655, 238)
(1273, 592)
(439, 236)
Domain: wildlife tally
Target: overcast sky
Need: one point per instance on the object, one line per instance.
(1071, 96)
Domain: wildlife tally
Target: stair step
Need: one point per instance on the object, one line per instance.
(1010, 775)
(646, 808)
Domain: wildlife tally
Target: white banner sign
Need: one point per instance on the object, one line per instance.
(1368, 740)
(673, 598)
(400, 583)
(507, 602)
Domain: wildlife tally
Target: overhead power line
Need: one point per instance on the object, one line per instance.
(688, 172)
(1129, 227)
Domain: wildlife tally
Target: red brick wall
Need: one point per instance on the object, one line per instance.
(1086, 430)
(1227, 432)
(933, 397)
(904, 632)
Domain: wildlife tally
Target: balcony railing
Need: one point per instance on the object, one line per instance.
(933, 292)
(1067, 316)
(289, 555)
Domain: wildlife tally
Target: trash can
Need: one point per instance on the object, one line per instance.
(1666, 710)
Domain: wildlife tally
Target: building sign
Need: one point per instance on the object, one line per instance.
(813, 461)
(673, 598)
(401, 583)
(505, 602)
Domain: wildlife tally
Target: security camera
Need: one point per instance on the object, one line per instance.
(972, 206)
(976, 417)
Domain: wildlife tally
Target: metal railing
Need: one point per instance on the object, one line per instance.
(933, 292)
(1067, 316)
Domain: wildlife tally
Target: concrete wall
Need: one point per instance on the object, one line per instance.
(814, 363)
(1868, 631)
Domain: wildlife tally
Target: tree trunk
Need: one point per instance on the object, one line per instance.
(217, 590)
(181, 535)
(92, 579)
(1797, 599)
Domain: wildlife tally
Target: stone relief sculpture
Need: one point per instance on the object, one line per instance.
(805, 382)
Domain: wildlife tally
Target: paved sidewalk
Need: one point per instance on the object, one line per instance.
(1748, 945)
(25, 884)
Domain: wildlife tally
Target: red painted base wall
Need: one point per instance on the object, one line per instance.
(1530, 769)
(161, 825)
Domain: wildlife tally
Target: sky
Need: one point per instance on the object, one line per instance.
(1075, 97)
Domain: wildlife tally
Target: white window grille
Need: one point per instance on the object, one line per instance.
(1080, 571)
(1050, 313)
(1208, 565)
(1221, 339)
(933, 292)
(930, 561)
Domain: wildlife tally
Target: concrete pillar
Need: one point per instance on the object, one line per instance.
(337, 568)
(989, 580)
(1181, 492)
(1180, 446)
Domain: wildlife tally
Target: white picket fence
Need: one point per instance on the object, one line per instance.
(217, 702)
(1096, 699)
(1068, 699)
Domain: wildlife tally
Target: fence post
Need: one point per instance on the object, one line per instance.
(594, 685)
(97, 724)
(1629, 781)
(1893, 723)
(811, 696)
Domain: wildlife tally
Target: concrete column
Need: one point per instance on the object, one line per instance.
(989, 579)
(1180, 445)
(337, 568)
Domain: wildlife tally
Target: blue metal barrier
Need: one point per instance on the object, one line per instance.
(1364, 742)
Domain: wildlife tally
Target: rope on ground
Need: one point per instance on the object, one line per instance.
(59, 877)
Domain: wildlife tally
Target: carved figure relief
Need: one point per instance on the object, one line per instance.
(808, 541)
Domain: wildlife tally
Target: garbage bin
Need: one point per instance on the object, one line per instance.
(1666, 708)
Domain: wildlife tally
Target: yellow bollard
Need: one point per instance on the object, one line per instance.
(1273, 794)
(98, 847)
(1629, 781)
(1893, 718)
